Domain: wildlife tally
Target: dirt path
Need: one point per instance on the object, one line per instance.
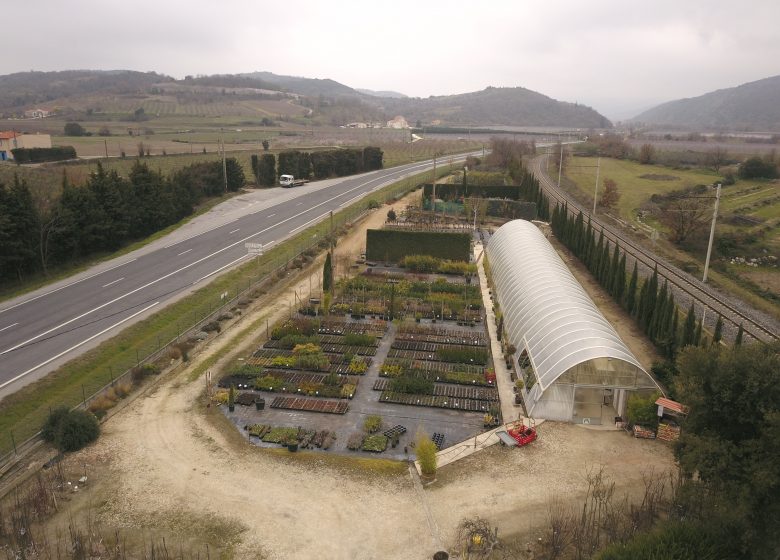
(170, 464)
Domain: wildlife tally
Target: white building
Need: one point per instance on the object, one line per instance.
(398, 122)
(37, 113)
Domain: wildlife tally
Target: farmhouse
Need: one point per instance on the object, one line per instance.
(37, 113)
(574, 365)
(10, 140)
(397, 122)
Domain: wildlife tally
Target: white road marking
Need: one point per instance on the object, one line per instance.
(242, 257)
(66, 286)
(299, 203)
(183, 252)
(114, 282)
(83, 342)
(240, 241)
(310, 221)
(234, 231)
(270, 215)
(8, 327)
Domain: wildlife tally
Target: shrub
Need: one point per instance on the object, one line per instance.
(140, 373)
(70, 430)
(462, 355)
(372, 423)
(121, 390)
(267, 383)
(421, 263)
(310, 356)
(426, 455)
(357, 366)
(641, 409)
(373, 204)
(347, 390)
(355, 441)
(354, 339)
(417, 385)
(376, 443)
(392, 370)
(38, 155)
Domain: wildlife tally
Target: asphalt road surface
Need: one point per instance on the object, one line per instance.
(42, 330)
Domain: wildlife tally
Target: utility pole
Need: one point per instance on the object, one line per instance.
(433, 187)
(224, 165)
(560, 163)
(596, 190)
(712, 234)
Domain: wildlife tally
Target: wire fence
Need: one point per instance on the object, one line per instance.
(161, 342)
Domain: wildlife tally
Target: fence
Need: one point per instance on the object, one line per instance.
(162, 341)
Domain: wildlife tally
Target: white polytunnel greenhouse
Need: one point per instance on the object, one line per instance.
(574, 365)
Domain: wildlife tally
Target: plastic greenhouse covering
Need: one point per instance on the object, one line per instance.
(548, 314)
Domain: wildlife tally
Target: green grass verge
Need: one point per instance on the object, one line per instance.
(23, 413)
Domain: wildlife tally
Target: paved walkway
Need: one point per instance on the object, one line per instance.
(509, 410)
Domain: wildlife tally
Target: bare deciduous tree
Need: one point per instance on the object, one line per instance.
(684, 215)
(611, 195)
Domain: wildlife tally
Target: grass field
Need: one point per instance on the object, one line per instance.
(749, 214)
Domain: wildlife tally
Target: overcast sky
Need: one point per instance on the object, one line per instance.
(618, 56)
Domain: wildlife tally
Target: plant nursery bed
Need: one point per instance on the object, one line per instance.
(466, 405)
(489, 394)
(310, 405)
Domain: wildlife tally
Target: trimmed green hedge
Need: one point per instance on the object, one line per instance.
(38, 155)
(456, 191)
(393, 245)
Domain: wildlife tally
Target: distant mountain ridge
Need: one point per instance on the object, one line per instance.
(327, 99)
(373, 93)
(750, 106)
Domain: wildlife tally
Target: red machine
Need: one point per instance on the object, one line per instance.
(523, 435)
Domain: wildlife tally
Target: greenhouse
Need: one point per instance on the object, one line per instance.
(574, 365)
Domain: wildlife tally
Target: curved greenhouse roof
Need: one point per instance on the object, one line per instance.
(545, 309)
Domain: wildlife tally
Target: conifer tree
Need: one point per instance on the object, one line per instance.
(327, 274)
(689, 329)
(697, 336)
(632, 286)
(620, 287)
(718, 335)
(612, 278)
(740, 333)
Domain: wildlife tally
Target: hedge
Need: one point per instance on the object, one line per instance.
(457, 191)
(38, 155)
(393, 245)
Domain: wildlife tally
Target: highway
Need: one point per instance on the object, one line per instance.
(44, 329)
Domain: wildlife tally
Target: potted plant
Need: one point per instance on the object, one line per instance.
(232, 398)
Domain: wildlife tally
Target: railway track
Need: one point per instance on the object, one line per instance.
(706, 297)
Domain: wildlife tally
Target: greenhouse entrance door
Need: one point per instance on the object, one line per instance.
(593, 405)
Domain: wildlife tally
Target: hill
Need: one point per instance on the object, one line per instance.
(751, 106)
(496, 106)
(310, 87)
(91, 94)
(30, 88)
(373, 93)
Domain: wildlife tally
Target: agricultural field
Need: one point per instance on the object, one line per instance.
(747, 238)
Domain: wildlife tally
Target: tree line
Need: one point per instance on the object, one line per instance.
(318, 165)
(650, 303)
(104, 214)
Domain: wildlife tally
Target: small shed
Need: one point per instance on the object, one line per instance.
(670, 415)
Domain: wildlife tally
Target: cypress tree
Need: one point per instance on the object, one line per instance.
(659, 310)
(620, 287)
(652, 299)
(689, 329)
(327, 274)
(612, 277)
(631, 295)
(674, 336)
(595, 259)
(578, 238)
(740, 332)
(697, 336)
(605, 265)
(718, 331)
(586, 242)
(640, 312)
